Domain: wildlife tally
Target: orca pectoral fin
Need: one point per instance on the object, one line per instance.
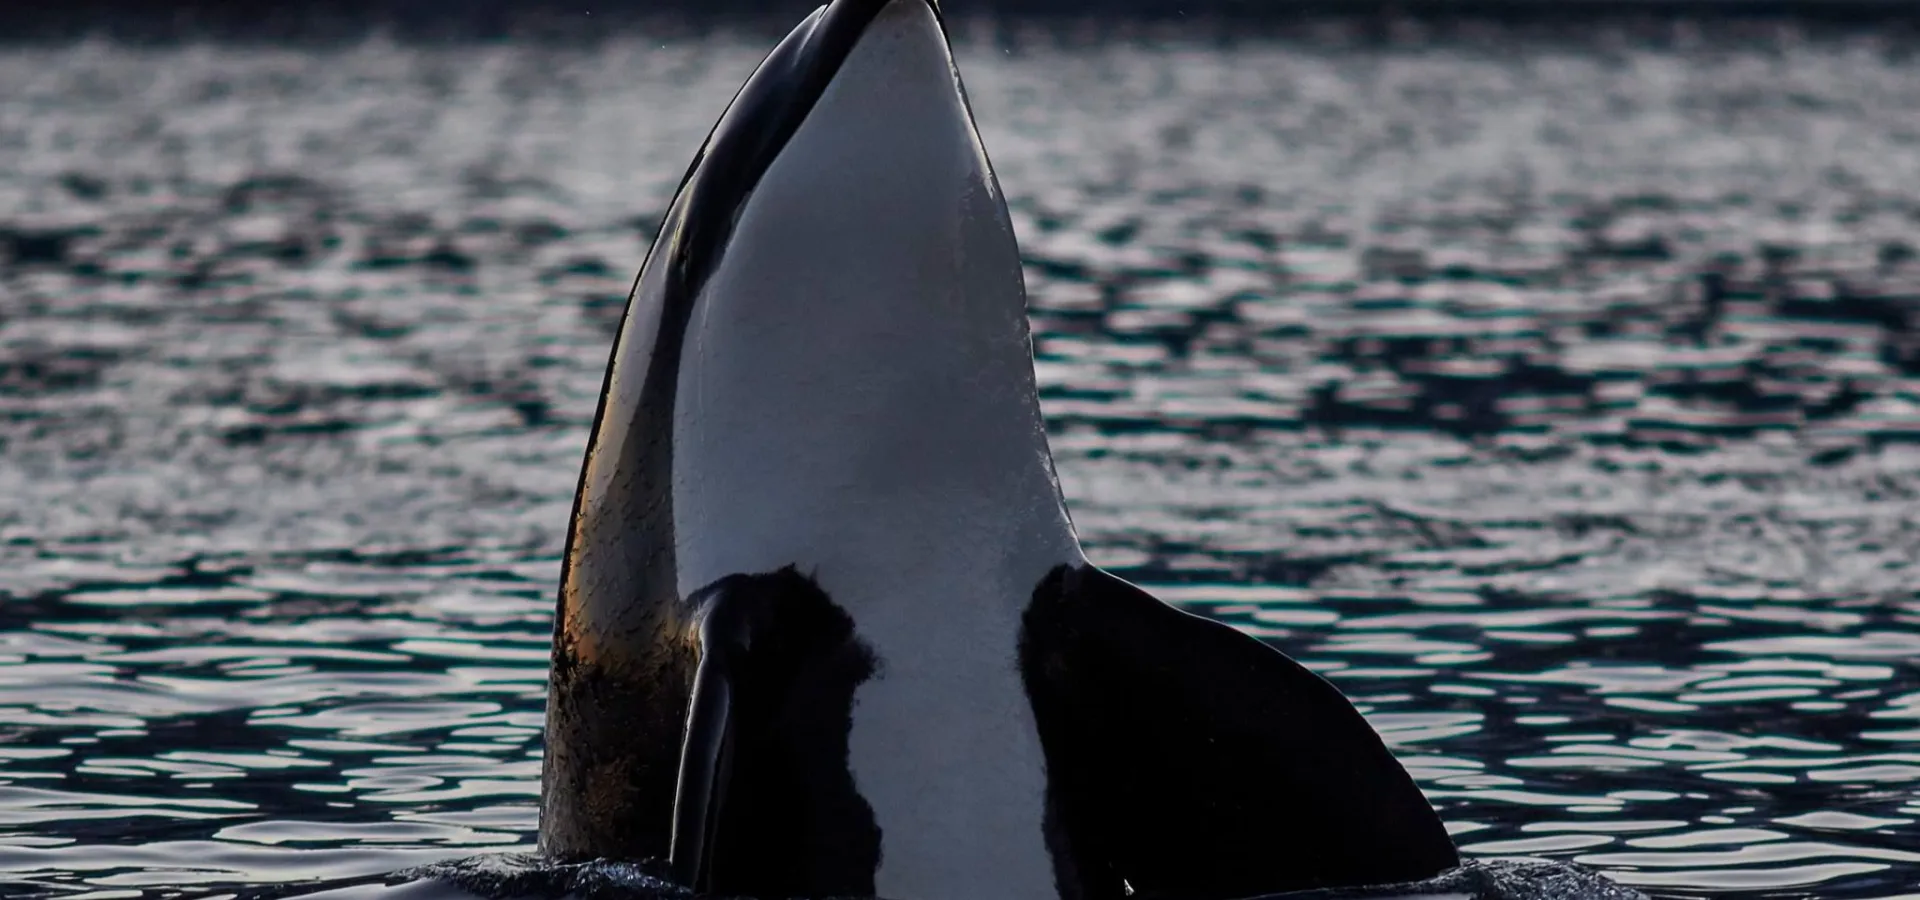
(1187, 759)
(706, 748)
(766, 805)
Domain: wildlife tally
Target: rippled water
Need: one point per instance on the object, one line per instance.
(1558, 399)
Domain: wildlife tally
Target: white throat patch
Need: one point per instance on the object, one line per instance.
(856, 399)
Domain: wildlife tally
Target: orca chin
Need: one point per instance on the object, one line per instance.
(824, 627)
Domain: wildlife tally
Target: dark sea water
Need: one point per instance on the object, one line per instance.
(1558, 397)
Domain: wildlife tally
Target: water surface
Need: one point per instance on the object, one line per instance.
(1555, 398)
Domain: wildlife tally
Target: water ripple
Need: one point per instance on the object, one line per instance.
(1556, 400)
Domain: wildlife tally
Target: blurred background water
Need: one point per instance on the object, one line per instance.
(1553, 389)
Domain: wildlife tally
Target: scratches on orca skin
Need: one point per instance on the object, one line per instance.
(614, 716)
(1186, 759)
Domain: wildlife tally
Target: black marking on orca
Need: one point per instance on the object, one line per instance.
(615, 713)
(1192, 761)
(767, 805)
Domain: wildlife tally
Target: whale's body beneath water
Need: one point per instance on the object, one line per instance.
(824, 626)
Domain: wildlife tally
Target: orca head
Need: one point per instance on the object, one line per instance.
(833, 318)
(825, 376)
(824, 364)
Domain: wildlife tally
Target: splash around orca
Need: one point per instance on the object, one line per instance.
(824, 626)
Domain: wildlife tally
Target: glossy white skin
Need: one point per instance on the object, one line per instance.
(856, 399)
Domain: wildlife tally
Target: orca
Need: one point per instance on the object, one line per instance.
(824, 626)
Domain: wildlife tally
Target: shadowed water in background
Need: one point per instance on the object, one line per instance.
(1557, 398)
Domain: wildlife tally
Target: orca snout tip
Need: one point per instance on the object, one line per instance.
(864, 12)
(912, 31)
(874, 7)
